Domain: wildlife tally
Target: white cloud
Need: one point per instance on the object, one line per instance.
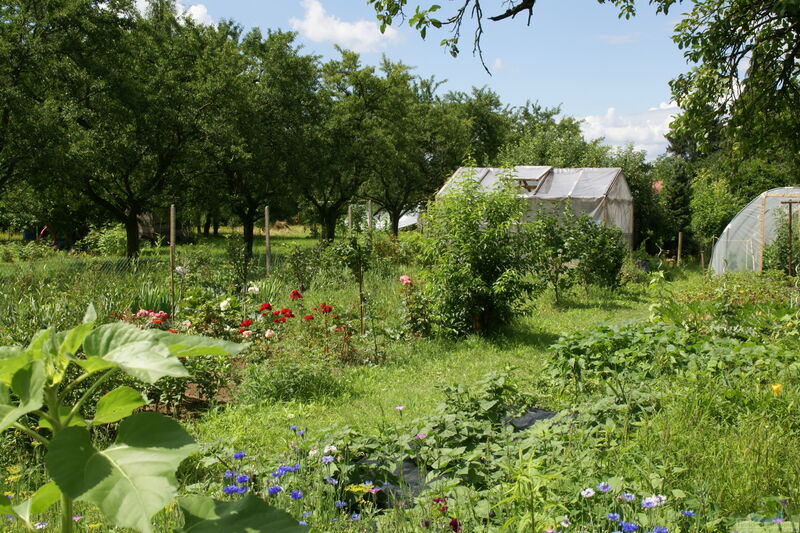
(645, 130)
(360, 36)
(618, 39)
(499, 65)
(197, 12)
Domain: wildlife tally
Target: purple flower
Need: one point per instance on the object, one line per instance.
(295, 494)
(355, 517)
(293, 428)
(605, 486)
(326, 459)
(302, 523)
(272, 491)
(778, 520)
(301, 432)
(77, 518)
(628, 497)
(229, 474)
(40, 525)
(614, 517)
(239, 456)
(660, 529)
(241, 490)
(231, 489)
(244, 478)
(587, 493)
(331, 480)
(687, 513)
(629, 527)
(339, 504)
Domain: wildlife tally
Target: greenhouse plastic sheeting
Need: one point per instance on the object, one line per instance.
(601, 193)
(741, 245)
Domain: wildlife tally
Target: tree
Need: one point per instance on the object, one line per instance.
(337, 142)
(489, 119)
(418, 144)
(256, 132)
(674, 175)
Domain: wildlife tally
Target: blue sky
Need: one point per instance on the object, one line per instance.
(611, 72)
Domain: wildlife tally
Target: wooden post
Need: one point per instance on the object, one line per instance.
(791, 203)
(680, 248)
(350, 220)
(702, 258)
(268, 252)
(369, 222)
(172, 261)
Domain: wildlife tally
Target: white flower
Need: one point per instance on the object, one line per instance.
(186, 324)
(180, 270)
(312, 452)
(225, 304)
(247, 334)
(269, 334)
(587, 493)
(329, 449)
(252, 289)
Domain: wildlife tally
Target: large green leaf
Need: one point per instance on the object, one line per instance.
(63, 412)
(191, 345)
(147, 361)
(110, 337)
(129, 481)
(246, 515)
(28, 385)
(116, 405)
(42, 499)
(12, 358)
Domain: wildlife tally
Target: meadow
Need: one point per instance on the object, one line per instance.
(667, 404)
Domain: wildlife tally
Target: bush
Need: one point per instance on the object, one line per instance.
(290, 378)
(110, 240)
(475, 279)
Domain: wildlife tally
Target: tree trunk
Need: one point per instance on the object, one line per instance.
(394, 221)
(248, 222)
(328, 219)
(132, 234)
(207, 226)
(216, 227)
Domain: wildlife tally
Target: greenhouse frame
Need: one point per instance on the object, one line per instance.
(741, 245)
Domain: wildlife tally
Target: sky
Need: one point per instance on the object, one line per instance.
(612, 73)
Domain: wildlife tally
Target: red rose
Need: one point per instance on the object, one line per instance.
(265, 307)
(276, 313)
(245, 323)
(309, 317)
(295, 294)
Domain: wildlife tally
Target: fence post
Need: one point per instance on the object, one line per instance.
(172, 261)
(680, 248)
(350, 220)
(268, 252)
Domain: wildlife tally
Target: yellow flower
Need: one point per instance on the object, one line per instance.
(12, 479)
(8, 494)
(776, 389)
(14, 469)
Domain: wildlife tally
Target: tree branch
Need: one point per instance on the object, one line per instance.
(514, 10)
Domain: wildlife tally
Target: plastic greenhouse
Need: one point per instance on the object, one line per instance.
(741, 245)
(602, 193)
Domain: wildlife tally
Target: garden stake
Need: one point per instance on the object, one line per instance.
(369, 223)
(172, 261)
(268, 253)
(680, 248)
(790, 203)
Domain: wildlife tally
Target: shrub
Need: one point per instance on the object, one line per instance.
(109, 240)
(475, 279)
(290, 378)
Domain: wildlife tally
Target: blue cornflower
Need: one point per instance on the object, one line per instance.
(629, 527)
(239, 456)
(326, 459)
(648, 503)
(295, 494)
(332, 480)
(293, 428)
(687, 512)
(244, 478)
(231, 489)
(605, 486)
(301, 432)
(295, 468)
(628, 497)
(339, 504)
(272, 491)
(229, 474)
(302, 523)
(306, 514)
(660, 529)
(355, 516)
(241, 489)
(614, 517)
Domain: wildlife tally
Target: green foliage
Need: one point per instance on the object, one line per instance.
(134, 478)
(107, 241)
(475, 276)
(713, 205)
(776, 253)
(288, 378)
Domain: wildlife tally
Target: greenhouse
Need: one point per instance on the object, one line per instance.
(743, 242)
(601, 193)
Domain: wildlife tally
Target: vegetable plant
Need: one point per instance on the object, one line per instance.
(133, 478)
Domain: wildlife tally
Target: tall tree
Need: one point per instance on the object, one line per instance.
(489, 118)
(339, 140)
(418, 143)
(257, 132)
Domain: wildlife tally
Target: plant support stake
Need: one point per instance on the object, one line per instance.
(268, 253)
(172, 261)
(790, 203)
